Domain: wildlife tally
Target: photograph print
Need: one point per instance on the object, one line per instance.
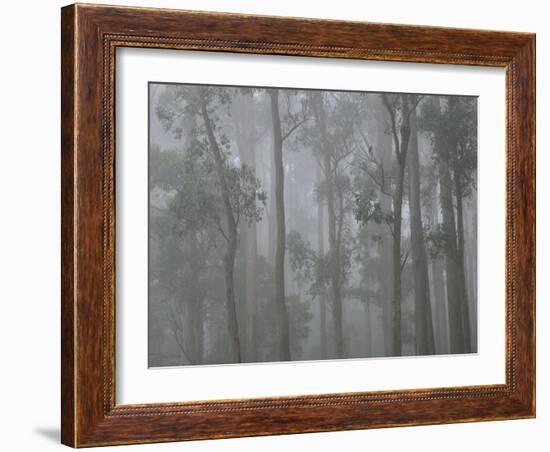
(297, 224)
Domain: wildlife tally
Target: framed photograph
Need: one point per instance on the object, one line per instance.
(280, 225)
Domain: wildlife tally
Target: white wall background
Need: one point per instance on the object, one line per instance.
(29, 225)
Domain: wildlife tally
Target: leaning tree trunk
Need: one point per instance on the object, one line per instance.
(424, 335)
(231, 251)
(284, 336)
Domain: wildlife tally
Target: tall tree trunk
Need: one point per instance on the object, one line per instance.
(321, 253)
(197, 300)
(284, 339)
(368, 330)
(231, 251)
(396, 263)
(439, 295)
(456, 330)
(246, 140)
(383, 142)
(251, 290)
(424, 335)
(400, 144)
(336, 282)
(333, 233)
(271, 209)
(471, 266)
(463, 294)
(199, 333)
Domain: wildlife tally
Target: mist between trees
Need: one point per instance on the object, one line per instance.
(292, 224)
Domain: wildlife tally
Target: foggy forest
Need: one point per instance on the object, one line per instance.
(296, 224)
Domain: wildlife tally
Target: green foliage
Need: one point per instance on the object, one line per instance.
(366, 252)
(452, 128)
(436, 241)
(367, 209)
(366, 200)
(299, 312)
(309, 267)
(247, 197)
(312, 270)
(300, 317)
(338, 112)
(198, 203)
(439, 241)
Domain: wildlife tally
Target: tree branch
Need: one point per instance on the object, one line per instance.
(404, 261)
(176, 329)
(293, 128)
(390, 227)
(391, 112)
(418, 100)
(367, 156)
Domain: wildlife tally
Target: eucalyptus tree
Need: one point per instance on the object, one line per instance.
(330, 136)
(282, 128)
(215, 191)
(424, 328)
(463, 114)
(452, 125)
(247, 134)
(399, 108)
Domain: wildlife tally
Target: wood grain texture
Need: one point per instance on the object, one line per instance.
(90, 36)
(68, 146)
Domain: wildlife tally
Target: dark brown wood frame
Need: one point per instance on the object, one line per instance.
(90, 35)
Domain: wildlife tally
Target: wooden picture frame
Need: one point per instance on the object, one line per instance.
(90, 35)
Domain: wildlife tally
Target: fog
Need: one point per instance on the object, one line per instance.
(292, 224)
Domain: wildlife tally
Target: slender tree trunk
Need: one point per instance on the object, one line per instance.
(463, 293)
(424, 336)
(333, 233)
(334, 261)
(396, 250)
(400, 144)
(271, 208)
(383, 142)
(251, 290)
(368, 331)
(231, 251)
(396, 261)
(196, 326)
(246, 139)
(439, 295)
(199, 333)
(229, 261)
(471, 267)
(456, 331)
(284, 340)
(321, 253)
